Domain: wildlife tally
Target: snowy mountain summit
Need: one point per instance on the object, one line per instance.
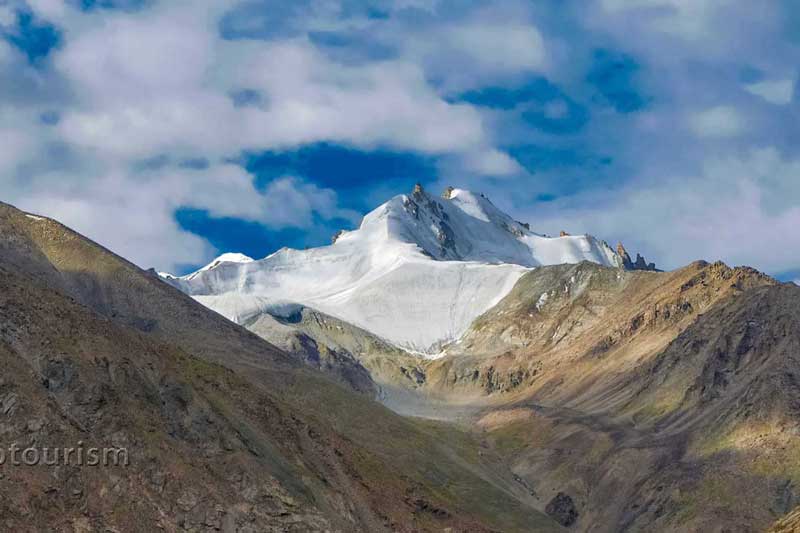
(417, 271)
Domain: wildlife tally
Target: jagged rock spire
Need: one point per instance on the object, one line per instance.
(625, 256)
(628, 264)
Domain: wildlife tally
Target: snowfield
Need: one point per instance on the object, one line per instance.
(417, 271)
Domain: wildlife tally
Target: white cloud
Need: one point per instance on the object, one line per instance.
(778, 92)
(728, 212)
(492, 163)
(134, 85)
(690, 19)
(132, 214)
(425, 5)
(15, 144)
(7, 16)
(52, 10)
(161, 82)
(382, 103)
(157, 82)
(508, 47)
(465, 54)
(717, 122)
(6, 55)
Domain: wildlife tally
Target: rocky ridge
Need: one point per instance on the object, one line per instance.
(224, 431)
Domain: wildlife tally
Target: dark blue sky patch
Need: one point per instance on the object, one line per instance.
(540, 104)
(750, 74)
(539, 90)
(125, 5)
(563, 171)
(349, 171)
(545, 197)
(267, 19)
(791, 20)
(537, 158)
(262, 20)
(252, 238)
(352, 47)
(35, 38)
(613, 76)
(156, 162)
(247, 98)
(195, 163)
(50, 118)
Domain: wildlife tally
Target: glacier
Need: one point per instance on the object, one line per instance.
(417, 271)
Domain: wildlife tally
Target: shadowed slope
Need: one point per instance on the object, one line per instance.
(224, 430)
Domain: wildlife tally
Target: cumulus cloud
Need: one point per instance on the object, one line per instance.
(508, 47)
(687, 18)
(720, 121)
(493, 163)
(155, 85)
(667, 123)
(384, 103)
(54, 10)
(742, 209)
(778, 92)
(7, 17)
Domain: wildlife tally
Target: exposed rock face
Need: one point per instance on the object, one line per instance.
(628, 264)
(563, 233)
(562, 509)
(336, 236)
(444, 233)
(641, 264)
(447, 192)
(625, 256)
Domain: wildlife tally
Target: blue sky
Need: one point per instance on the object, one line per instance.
(171, 131)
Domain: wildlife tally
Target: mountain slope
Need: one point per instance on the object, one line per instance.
(417, 272)
(224, 431)
(649, 401)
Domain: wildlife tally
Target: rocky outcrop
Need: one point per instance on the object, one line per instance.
(628, 264)
(563, 233)
(562, 509)
(444, 233)
(448, 192)
(623, 254)
(641, 264)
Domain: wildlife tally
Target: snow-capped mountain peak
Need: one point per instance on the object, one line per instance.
(466, 226)
(417, 272)
(228, 257)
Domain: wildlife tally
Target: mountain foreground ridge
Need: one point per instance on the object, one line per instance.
(224, 431)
